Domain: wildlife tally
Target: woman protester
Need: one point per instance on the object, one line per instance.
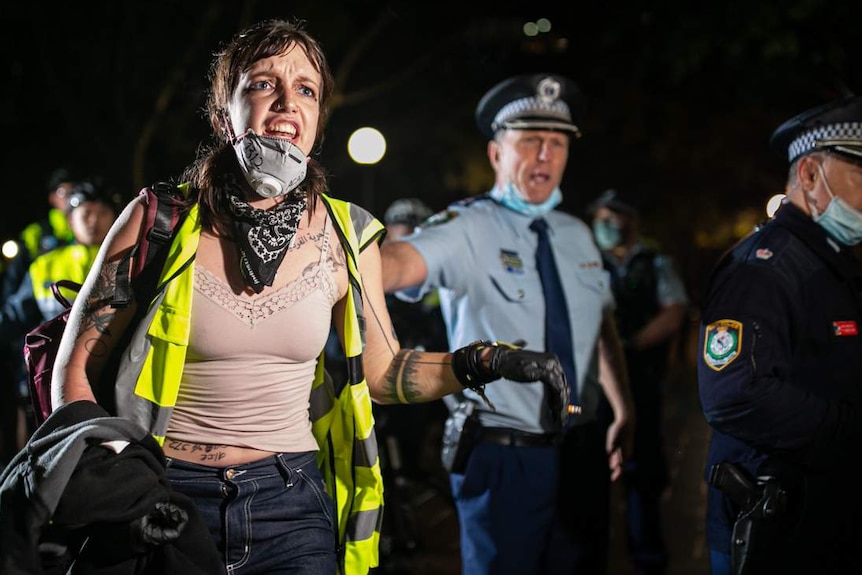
(280, 460)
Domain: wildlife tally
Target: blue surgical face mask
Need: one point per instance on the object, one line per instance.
(510, 197)
(839, 219)
(608, 234)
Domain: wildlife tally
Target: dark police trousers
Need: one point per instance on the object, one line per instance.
(535, 509)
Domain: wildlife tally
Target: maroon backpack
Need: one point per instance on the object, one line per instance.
(143, 266)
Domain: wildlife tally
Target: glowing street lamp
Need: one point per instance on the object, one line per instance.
(367, 146)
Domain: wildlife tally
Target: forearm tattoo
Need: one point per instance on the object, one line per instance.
(203, 452)
(400, 381)
(98, 313)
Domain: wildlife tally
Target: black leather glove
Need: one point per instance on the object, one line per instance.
(163, 524)
(512, 362)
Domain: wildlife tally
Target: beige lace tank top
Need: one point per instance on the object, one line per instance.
(251, 361)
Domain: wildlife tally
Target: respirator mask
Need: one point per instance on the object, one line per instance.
(272, 166)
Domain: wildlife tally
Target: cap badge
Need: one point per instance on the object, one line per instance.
(548, 91)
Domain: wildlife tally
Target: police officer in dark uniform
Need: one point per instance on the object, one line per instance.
(650, 307)
(780, 365)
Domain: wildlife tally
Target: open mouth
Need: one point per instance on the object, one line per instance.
(283, 130)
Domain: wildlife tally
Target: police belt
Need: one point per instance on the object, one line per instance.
(518, 438)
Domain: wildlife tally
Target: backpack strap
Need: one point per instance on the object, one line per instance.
(161, 219)
(58, 295)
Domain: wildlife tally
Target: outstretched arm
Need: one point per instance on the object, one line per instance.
(95, 328)
(403, 266)
(397, 375)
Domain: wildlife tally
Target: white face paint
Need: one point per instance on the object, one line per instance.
(272, 166)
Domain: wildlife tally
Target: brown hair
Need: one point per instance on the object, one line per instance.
(262, 40)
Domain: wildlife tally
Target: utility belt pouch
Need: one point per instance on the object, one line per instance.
(460, 433)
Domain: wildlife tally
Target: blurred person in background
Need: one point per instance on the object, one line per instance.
(45, 234)
(651, 302)
(409, 435)
(35, 239)
(91, 208)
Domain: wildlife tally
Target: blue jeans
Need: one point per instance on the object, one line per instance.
(270, 516)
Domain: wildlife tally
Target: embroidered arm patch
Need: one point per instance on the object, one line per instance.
(722, 342)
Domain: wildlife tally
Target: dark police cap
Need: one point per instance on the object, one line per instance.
(834, 127)
(615, 202)
(532, 102)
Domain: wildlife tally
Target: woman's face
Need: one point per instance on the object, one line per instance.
(279, 97)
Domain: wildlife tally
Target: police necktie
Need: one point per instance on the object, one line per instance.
(558, 332)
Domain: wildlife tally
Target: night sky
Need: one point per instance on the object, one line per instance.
(682, 97)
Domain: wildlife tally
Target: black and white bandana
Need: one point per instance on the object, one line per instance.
(263, 236)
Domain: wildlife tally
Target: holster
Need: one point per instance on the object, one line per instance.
(764, 521)
(460, 433)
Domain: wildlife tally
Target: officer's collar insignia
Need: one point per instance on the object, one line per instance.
(763, 254)
(440, 218)
(512, 262)
(845, 328)
(722, 342)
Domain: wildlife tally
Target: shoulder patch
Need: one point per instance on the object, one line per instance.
(464, 202)
(722, 343)
(440, 218)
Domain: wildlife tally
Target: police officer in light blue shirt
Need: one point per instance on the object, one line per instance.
(531, 499)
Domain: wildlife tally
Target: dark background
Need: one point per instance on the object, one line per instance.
(683, 96)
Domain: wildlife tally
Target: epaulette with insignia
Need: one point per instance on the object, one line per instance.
(439, 218)
(450, 213)
(472, 199)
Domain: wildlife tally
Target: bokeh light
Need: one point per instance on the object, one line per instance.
(366, 146)
(773, 204)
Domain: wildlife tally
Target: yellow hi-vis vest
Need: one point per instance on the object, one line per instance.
(65, 262)
(32, 236)
(342, 422)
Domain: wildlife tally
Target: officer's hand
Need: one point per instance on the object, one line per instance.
(517, 364)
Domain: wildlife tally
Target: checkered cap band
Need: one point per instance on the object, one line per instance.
(532, 107)
(828, 136)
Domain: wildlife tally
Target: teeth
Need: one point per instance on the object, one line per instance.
(289, 130)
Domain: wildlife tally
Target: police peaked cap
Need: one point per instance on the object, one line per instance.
(532, 102)
(615, 202)
(834, 127)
